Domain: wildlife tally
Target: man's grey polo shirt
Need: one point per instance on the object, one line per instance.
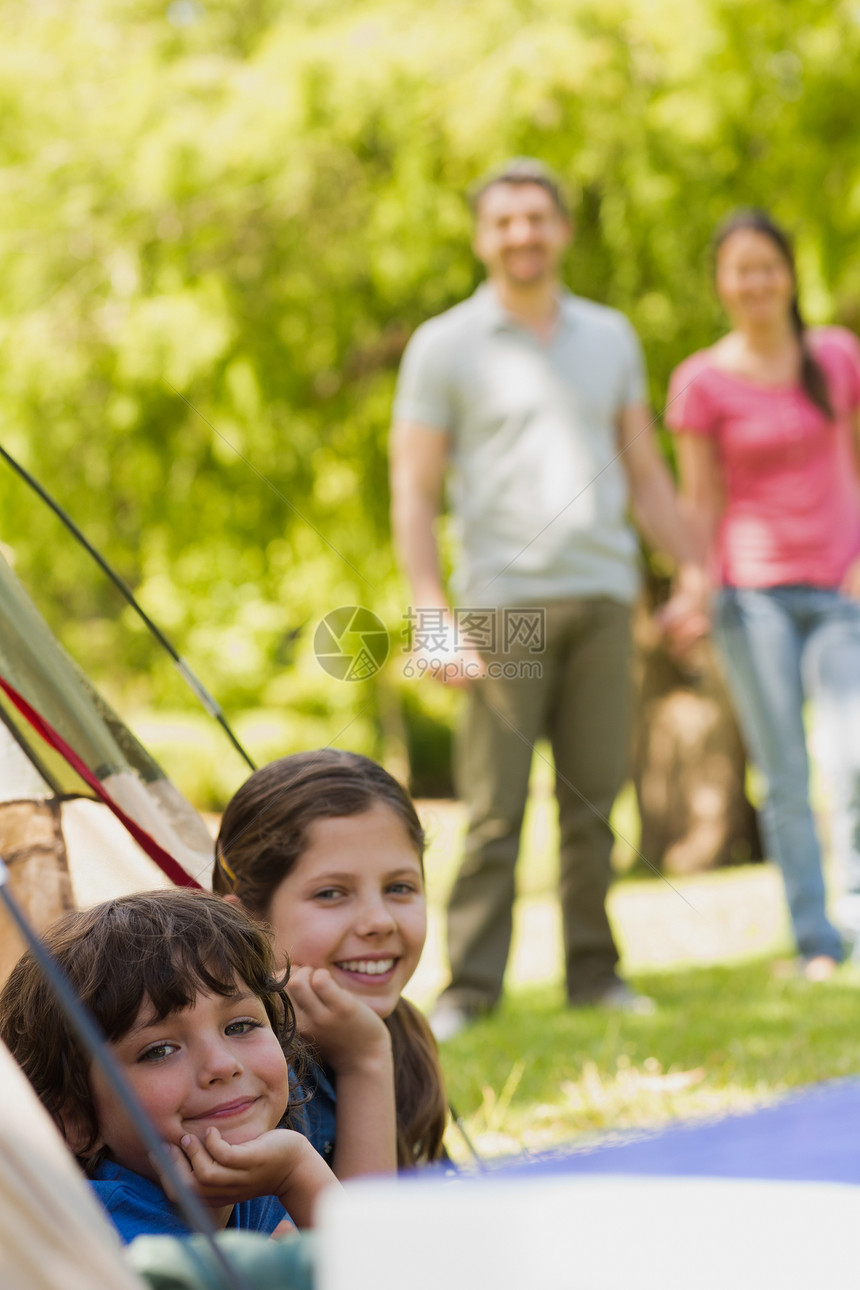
(537, 491)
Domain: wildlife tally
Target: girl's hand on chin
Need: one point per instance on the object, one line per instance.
(342, 1027)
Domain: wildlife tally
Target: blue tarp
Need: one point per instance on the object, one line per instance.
(811, 1136)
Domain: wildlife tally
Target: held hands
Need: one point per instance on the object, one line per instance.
(684, 619)
(346, 1032)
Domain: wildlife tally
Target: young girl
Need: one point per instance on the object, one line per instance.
(186, 990)
(326, 848)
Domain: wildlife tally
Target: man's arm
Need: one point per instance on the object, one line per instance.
(652, 489)
(660, 517)
(419, 460)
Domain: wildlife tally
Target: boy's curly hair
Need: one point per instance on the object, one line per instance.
(162, 947)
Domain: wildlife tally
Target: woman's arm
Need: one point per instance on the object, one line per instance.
(851, 581)
(652, 491)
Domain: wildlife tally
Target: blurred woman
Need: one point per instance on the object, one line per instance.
(768, 452)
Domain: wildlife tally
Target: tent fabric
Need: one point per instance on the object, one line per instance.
(587, 1232)
(62, 745)
(39, 669)
(152, 848)
(53, 709)
(53, 1234)
(32, 844)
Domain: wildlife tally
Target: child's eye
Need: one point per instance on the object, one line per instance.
(403, 889)
(243, 1027)
(327, 894)
(157, 1052)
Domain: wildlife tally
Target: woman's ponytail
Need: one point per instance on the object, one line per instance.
(812, 376)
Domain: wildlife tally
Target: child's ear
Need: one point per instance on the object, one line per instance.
(76, 1134)
(232, 899)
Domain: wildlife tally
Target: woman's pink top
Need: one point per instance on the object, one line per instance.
(790, 475)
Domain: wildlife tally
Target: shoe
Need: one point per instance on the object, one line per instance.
(448, 1020)
(816, 968)
(619, 997)
(819, 968)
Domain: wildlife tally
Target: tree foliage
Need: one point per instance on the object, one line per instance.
(223, 218)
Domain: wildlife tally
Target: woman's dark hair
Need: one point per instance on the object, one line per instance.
(812, 376)
(159, 947)
(265, 831)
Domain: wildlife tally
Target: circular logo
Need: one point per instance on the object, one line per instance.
(351, 643)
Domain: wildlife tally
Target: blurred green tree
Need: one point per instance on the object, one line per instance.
(223, 218)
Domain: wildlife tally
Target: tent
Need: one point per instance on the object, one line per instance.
(52, 1230)
(85, 812)
(749, 1200)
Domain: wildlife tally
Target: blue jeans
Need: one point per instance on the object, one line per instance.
(782, 646)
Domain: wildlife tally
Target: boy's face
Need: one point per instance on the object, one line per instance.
(217, 1062)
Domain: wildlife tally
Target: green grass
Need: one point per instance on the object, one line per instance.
(732, 1031)
(536, 1074)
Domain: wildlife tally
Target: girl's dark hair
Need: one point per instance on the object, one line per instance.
(159, 947)
(812, 376)
(264, 832)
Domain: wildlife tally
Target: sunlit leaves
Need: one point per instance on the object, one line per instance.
(220, 221)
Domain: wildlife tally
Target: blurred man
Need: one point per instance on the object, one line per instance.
(535, 400)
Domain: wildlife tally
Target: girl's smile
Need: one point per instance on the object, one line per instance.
(354, 903)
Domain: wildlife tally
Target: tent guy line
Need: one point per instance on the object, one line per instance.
(209, 702)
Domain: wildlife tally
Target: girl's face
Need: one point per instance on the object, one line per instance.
(216, 1062)
(354, 903)
(754, 280)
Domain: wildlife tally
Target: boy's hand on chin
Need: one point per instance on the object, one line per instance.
(343, 1028)
(223, 1174)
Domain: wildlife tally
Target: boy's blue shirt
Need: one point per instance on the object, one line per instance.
(139, 1207)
